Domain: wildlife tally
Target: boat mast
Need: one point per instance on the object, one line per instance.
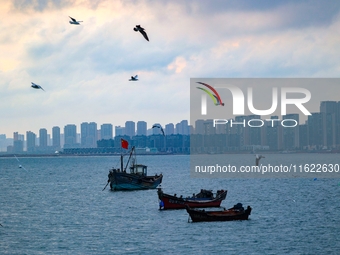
(133, 147)
(121, 162)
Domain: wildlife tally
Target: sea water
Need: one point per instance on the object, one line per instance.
(58, 207)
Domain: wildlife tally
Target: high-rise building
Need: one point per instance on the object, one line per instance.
(291, 138)
(15, 136)
(272, 133)
(106, 131)
(2, 142)
(199, 127)
(56, 137)
(182, 128)
(18, 142)
(70, 135)
(119, 131)
(30, 138)
(329, 110)
(88, 134)
(43, 138)
(315, 128)
(303, 136)
(130, 128)
(185, 127)
(141, 128)
(191, 129)
(254, 133)
(209, 128)
(221, 129)
(169, 129)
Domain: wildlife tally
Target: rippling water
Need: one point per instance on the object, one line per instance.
(58, 207)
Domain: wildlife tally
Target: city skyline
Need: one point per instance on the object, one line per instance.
(85, 69)
(78, 127)
(320, 131)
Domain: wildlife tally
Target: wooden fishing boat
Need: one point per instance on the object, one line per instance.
(205, 198)
(235, 213)
(135, 179)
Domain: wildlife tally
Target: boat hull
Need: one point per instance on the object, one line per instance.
(226, 215)
(126, 181)
(173, 202)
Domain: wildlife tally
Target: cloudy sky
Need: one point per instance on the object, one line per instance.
(85, 69)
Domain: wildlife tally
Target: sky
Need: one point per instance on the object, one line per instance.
(85, 69)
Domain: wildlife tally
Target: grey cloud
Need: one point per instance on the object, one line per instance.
(291, 13)
(40, 5)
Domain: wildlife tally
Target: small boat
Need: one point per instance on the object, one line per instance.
(136, 179)
(235, 213)
(205, 198)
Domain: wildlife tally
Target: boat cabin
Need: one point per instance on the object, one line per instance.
(139, 169)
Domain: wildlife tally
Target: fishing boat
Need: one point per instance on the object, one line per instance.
(205, 198)
(235, 213)
(134, 179)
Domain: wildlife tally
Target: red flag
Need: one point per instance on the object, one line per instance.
(124, 143)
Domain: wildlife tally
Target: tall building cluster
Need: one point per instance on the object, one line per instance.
(87, 137)
(321, 131)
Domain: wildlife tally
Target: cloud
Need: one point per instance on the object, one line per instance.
(178, 64)
(85, 69)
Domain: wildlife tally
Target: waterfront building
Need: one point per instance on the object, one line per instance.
(130, 128)
(31, 137)
(106, 131)
(56, 137)
(141, 128)
(70, 136)
(88, 135)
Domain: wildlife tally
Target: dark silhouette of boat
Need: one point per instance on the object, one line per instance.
(235, 213)
(135, 179)
(203, 199)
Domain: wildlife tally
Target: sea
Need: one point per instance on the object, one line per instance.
(57, 205)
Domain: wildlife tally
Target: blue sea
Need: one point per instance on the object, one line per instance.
(57, 206)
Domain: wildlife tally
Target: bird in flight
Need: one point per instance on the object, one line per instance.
(257, 160)
(36, 86)
(20, 166)
(141, 30)
(158, 126)
(74, 21)
(134, 78)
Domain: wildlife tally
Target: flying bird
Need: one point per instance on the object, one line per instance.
(141, 30)
(20, 166)
(158, 126)
(74, 21)
(36, 86)
(257, 160)
(134, 78)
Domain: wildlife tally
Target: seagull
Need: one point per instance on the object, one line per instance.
(157, 126)
(141, 30)
(258, 157)
(36, 86)
(134, 78)
(20, 166)
(74, 21)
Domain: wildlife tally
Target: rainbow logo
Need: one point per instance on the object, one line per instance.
(213, 95)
